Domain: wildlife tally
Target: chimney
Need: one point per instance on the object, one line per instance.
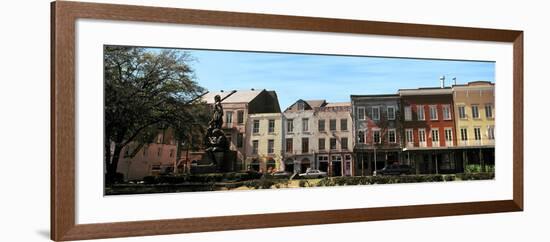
(442, 81)
(454, 81)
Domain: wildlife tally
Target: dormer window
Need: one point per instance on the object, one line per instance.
(301, 106)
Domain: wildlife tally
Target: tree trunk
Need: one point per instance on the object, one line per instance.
(112, 165)
(178, 153)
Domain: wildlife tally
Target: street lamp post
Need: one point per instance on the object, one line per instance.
(375, 169)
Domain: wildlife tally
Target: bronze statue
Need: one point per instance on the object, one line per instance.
(217, 118)
(215, 140)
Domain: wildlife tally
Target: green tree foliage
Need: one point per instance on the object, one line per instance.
(146, 90)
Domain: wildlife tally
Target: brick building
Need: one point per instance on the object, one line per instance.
(429, 132)
(377, 128)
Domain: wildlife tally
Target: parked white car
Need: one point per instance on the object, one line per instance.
(312, 173)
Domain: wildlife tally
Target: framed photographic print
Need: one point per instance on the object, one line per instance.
(172, 120)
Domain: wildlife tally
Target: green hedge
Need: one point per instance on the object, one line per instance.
(201, 178)
(476, 176)
(262, 183)
(251, 179)
(475, 168)
(367, 180)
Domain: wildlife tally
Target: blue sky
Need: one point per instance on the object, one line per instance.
(334, 78)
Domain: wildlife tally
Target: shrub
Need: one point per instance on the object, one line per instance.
(149, 180)
(119, 178)
(476, 168)
(476, 176)
(325, 182)
(172, 179)
(206, 178)
(261, 183)
(366, 180)
(449, 177)
(303, 183)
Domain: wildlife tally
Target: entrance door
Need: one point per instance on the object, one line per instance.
(323, 163)
(304, 165)
(289, 165)
(337, 165)
(254, 165)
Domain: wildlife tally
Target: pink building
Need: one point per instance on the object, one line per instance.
(140, 160)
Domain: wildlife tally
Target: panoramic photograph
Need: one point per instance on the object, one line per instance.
(194, 120)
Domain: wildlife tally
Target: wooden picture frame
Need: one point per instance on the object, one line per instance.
(63, 18)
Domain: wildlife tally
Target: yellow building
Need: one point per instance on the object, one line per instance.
(475, 109)
(265, 142)
(474, 105)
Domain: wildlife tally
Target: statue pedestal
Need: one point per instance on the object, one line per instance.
(226, 162)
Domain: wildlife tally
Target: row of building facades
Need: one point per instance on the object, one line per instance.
(434, 130)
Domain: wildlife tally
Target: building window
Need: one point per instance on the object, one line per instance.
(289, 148)
(391, 136)
(448, 135)
(477, 133)
(435, 135)
(323, 162)
(323, 158)
(228, 119)
(463, 134)
(271, 127)
(290, 125)
(332, 125)
(408, 113)
(240, 117)
(422, 135)
(433, 112)
(228, 137)
(159, 139)
(375, 113)
(270, 146)
(475, 111)
(255, 144)
(462, 112)
(321, 144)
(301, 106)
(332, 143)
(240, 140)
(344, 143)
(409, 135)
(361, 113)
(361, 137)
(155, 168)
(376, 136)
(305, 124)
(145, 151)
(488, 110)
(447, 112)
(321, 125)
(305, 145)
(343, 124)
(256, 127)
(420, 112)
(491, 132)
(391, 113)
